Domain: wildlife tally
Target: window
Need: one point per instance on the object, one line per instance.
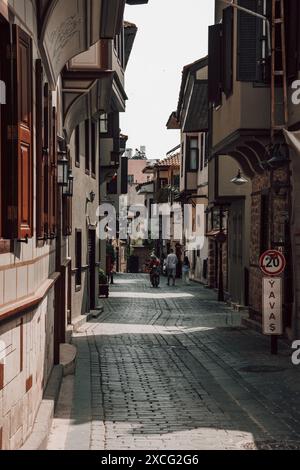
(119, 46)
(77, 146)
(104, 124)
(78, 258)
(206, 149)
(163, 182)
(94, 147)
(130, 179)
(112, 185)
(124, 175)
(17, 171)
(87, 146)
(176, 181)
(202, 151)
(252, 41)
(292, 18)
(192, 154)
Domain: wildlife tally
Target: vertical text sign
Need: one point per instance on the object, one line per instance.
(272, 306)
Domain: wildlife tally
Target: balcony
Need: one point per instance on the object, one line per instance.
(239, 91)
(68, 28)
(87, 82)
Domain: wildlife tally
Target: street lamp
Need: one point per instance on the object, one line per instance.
(239, 179)
(62, 165)
(68, 189)
(279, 155)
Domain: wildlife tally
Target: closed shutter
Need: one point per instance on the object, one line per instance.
(93, 147)
(5, 118)
(227, 51)
(87, 146)
(53, 173)
(249, 40)
(46, 139)
(292, 18)
(39, 151)
(67, 216)
(214, 64)
(22, 148)
(124, 175)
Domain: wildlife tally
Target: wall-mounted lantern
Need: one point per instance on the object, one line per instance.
(62, 164)
(279, 154)
(239, 179)
(69, 189)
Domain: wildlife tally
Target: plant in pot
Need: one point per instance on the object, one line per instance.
(103, 284)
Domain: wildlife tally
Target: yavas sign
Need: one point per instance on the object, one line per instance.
(272, 306)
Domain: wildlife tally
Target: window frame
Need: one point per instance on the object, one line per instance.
(87, 146)
(78, 259)
(189, 168)
(77, 146)
(93, 148)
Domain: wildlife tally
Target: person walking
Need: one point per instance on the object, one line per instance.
(186, 270)
(172, 262)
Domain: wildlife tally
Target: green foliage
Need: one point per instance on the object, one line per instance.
(102, 277)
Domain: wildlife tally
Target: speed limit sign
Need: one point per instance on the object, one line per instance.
(272, 263)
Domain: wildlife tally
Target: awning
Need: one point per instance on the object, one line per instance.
(197, 113)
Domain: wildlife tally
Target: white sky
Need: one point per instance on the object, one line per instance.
(171, 34)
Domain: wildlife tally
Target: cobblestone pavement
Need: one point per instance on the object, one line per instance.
(173, 369)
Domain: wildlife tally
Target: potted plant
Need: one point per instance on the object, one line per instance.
(103, 284)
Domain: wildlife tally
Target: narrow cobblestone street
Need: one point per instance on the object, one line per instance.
(173, 369)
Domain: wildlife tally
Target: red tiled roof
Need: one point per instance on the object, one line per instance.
(173, 161)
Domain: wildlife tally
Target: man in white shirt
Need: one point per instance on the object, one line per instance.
(171, 264)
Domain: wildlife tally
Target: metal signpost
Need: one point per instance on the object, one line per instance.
(272, 263)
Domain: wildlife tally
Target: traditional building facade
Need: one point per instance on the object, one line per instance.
(46, 95)
(191, 118)
(249, 172)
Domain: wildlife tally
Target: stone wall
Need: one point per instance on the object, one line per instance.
(261, 185)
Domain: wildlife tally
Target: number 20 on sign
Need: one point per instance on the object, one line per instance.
(272, 264)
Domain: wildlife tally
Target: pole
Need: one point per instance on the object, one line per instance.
(221, 284)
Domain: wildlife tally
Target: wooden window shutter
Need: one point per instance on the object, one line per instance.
(93, 147)
(227, 51)
(215, 64)
(6, 181)
(22, 146)
(87, 146)
(292, 18)
(53, 173)
(249, 41)
(46, 139)
(39, 151)
(77, 146)
(124, 175)
(67, 216)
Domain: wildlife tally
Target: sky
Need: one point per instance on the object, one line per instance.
(171, 34)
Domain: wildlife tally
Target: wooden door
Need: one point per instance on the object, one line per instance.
(92, 268)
